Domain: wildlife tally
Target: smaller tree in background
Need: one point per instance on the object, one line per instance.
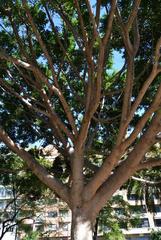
(32, 236)
(119, 212)
(114, 234)
(21, 201)
(146, 184)
(15, 209)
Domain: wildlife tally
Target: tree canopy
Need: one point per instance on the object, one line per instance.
(57, 86)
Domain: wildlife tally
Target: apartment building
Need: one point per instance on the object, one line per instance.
(148, 220)
(53, 218)
(6, 214)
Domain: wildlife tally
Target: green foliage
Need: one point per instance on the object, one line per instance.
(26, 191)
(116, 215)
(32, 236)
(155, 235)
(115, 233)
(33, 102)
(23, 179)
(27, 127)
(149, 189)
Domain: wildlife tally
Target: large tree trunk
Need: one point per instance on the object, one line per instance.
(81, 228)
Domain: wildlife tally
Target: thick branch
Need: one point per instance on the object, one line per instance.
(48, 57)
(138, 128)
(40, 75)
(92, 19)
(102, 174)
(142, 92)
(105, 121)
(16, 61)
(98, 7)
(63, 15)
(19, 40)
(127, 97)
(129, 166)
(125, 34)
(110, 22)
(83, 29)
(133, 14)
(39, 38)
(136, 36)
(49, 180)
(149, 163)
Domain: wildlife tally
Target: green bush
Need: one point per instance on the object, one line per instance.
(32, 236)
(155, 235)
(114, 234)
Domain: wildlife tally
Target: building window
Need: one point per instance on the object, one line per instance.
(2, 205)
(63, 213)
(134, 197)
(138, 209)
(9, 193)
(157, 208)
(139, 223)
(51, 201)
(144, 223)
(157, 222)
(52, 227)
(64, 226)
(2, 192)
(11, 229)
(143, 209)
(123, 225)
(40, 218)
(120, 211)
(104, 229)
(52, 214)
(156, 196)
(39, 227)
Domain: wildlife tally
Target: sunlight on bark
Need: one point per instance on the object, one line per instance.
(83, 230)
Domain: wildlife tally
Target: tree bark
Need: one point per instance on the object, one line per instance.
(81, 228)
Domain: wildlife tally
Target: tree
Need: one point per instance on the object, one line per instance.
(56, 89)
(146, 183)
(19, 197)
(32, 236)
(115, 234)
(8, 217)
(116, 215)
(155, 235)
(13, 212)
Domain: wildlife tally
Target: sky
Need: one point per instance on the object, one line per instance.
(118, 60)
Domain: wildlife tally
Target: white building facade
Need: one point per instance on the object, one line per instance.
(5, 214)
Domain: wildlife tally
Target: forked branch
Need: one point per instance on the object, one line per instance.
(53, 183)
